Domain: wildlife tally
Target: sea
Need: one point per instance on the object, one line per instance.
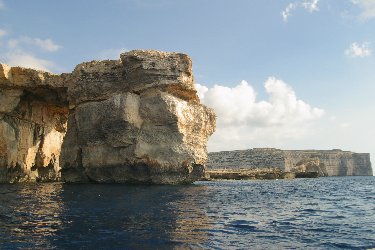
(322, 213)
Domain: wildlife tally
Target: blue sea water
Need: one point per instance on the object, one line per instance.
(324, 213)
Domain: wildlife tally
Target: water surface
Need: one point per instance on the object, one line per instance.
(324, 213)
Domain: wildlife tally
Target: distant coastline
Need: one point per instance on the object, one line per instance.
(272, 163)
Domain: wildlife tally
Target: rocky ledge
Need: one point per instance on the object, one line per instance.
(137, 119)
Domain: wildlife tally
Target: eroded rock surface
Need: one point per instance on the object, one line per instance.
(323, 162)
(137, 119)
(33, 116)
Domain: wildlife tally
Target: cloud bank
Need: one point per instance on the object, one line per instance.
(243, 121)
(2, 33)
(310, 6)
(43, 44)
(18, 52)
(28, 60)
(367, 8)
(359, 50)
(2, 5)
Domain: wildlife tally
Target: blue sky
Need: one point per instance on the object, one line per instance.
(314, 52)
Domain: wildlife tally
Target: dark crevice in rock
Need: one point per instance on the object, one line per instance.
(137, 120)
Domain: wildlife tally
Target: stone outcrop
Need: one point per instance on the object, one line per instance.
(310, 165)
(137, 119)
(247, 174)
(33, 115)
(324, 162)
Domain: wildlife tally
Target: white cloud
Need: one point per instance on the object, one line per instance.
(309, 5)
(47, 44)
(111, 53)
(23, 59)
(287, 12)
(367, 8)
(2, 5)
(359, 50)
(21, 52)
(13, 43)
(43, 44)
(201, 90)
(344, 125)
(2, 33)
(242, 121)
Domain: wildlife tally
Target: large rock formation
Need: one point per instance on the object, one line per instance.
(33, 115)
(137, 119)
(324, 162)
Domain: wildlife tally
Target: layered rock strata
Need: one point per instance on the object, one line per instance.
(33, 116)
(137, 119)
(323, 162)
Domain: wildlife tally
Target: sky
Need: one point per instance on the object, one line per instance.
(278, 73)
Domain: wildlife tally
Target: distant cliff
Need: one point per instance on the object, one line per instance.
(325, 162)
(137, 119)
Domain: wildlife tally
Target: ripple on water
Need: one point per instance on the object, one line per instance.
(326, 213)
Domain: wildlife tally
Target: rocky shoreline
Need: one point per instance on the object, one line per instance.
(255, 174)
(301, 162)
(133, 120)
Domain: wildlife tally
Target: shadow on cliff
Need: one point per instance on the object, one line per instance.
(32, 134)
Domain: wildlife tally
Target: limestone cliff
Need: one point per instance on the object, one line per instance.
(33, 115)
(137, 119)
(324, 162)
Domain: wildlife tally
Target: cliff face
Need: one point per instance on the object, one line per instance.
(33, 115)
(137, 119)
(335, 162)
(325, 162)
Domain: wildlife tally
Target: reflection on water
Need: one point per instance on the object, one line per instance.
(318, 214)
(114, 216)
(191, 224)
(30, 214)
(134, 216)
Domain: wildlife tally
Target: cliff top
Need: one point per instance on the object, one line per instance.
(287, 150)
(135, 71)
(23, 77)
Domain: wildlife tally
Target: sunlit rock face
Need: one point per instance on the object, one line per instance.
(33, 118)
(137, 119)
(324, 162)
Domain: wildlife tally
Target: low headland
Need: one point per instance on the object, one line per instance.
(271, 163)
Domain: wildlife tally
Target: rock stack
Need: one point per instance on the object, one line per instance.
(137, 119)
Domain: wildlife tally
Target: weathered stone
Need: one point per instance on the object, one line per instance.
(9, 99)
(18, 77)
(95, 81)
(247, 174)
(310, 165)
(153, 137)
(137, 119)
(136, 71)
(170, 72)
(145, 68)
(32, 125)
(322, 162)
